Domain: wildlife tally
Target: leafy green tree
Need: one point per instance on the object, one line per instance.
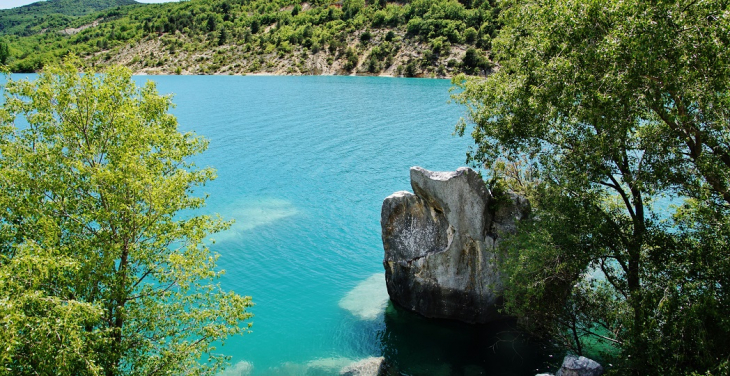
(211, 23)
(598, 112)
(351, 59)
(103, 266)
(470, 35)
(352, 7)
(4, 52)
(222, 37)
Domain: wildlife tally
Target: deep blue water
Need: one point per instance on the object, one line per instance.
(303, 166)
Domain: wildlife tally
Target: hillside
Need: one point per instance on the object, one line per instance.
(431, 38)
(35, 17)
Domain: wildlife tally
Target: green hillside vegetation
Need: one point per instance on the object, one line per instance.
(412, 38)
(52, 14)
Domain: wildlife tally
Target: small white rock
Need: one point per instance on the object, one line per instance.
(579, 366)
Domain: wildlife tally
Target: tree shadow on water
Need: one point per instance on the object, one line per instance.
(418, 346)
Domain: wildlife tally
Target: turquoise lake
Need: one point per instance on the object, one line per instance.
(304, 164)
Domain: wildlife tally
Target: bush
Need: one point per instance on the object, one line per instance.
(373, 65)
(410, 69)
(470, 35)
(351, 59)
(379, 18)
(414, 26)
(365, 37)
(475, 61)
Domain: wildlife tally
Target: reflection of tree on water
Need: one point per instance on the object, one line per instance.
(418, 346)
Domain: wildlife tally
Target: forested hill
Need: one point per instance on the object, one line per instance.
(431, 38)
(33, 18)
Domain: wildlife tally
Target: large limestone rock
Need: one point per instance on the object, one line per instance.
(439, 243)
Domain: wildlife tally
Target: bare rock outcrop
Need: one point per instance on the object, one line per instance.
(439, 242)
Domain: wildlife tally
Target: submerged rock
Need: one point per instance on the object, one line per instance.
(242, 368)
(579, 366)
(368, 299)
(315, 367)
(439, 243)
(325, 366)
(367, 367)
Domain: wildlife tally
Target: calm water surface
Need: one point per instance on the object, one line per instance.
(304, 164)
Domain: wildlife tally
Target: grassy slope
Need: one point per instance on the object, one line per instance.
(33, 18)
(413, 38)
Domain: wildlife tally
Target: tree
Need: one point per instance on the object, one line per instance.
(222, 37)
(4, 52)
(599, 111)
(212, 22)
(470, 35)
(474, 61)
(103, 268)
(352, 7)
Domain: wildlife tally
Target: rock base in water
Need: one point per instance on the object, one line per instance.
(439, 243)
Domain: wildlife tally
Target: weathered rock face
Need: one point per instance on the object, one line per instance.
(439, 244)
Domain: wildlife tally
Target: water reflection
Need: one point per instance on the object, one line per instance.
(417, 346)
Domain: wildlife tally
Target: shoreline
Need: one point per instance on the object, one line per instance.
(273, 74)
(270, 74)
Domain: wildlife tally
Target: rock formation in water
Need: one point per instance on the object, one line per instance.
(439, 242)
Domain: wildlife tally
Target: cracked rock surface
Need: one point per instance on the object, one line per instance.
(439, 242)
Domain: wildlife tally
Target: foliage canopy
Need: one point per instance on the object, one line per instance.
(605, 113)
(103, 268)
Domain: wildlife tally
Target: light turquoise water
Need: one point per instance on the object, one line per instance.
(303, 166)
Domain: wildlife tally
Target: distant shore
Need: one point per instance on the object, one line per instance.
(271, 74)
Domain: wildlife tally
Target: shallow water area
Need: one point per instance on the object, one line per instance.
(303, 165)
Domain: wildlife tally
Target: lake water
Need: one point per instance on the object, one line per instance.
(304, 164)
